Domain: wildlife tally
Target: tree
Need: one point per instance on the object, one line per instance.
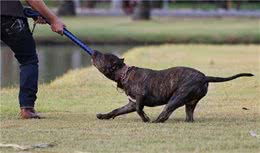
(142, 10)
(226, 4)
(157, 4)
(67, 8)
(90, 4)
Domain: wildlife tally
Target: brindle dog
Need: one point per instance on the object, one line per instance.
(175, 87)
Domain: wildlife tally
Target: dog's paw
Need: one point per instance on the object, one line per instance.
(147, 119)
(160, 119)
(189, 120)
(157, 121)
(154, 121)
(99, 116)
(103, 116)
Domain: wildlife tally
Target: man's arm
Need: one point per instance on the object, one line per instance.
(56, 24)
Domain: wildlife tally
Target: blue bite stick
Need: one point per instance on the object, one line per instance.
(34, 14)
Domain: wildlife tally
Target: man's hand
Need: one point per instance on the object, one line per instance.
(57, 26)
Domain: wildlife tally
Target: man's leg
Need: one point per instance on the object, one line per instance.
(16, 34)
(28, 80)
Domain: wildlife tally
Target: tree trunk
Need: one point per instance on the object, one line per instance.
(90, 4)
(67, 8)
(229, 4)
(157, 4)
(128, 6)
(143, 10)
(238, 5)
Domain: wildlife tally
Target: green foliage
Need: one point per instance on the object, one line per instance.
(70, 103)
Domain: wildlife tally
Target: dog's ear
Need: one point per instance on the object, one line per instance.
(122, 60)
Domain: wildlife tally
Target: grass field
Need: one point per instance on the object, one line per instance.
(70, 103)
(158, 30)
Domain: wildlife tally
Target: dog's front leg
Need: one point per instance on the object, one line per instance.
(130, 107)
(139, 109)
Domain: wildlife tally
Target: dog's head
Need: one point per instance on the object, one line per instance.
(107, 64)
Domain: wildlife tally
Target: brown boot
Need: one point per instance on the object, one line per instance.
(29, 113)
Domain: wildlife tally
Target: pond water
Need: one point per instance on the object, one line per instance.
(54, 61)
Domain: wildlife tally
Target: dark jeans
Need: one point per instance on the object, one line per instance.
(16, 34)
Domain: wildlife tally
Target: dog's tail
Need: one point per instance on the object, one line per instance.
(219, 79)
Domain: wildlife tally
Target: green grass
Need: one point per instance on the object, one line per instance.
(158, 30)
(70, 103)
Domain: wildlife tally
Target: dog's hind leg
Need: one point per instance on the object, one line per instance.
(175, 102)
(189, 108)
(129, 108)
(191, 105)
